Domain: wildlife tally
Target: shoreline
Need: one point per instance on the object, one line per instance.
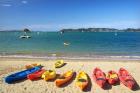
(55, 56)
(12, 65)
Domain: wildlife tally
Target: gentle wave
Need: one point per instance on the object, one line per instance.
(75, 57)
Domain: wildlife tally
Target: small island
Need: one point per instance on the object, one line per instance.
(101, 30)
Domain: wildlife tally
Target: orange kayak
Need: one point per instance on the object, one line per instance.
(67, 76)
(126, 78)
(99, 77)
(112, 77)
(32, 65)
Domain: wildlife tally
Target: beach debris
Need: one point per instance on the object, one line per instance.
(25, 88)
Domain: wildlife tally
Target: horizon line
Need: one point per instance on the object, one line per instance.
(73, 28)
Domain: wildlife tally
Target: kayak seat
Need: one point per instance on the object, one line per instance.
(100, 79)
(61, 77)
(82, 80)
(129, 80)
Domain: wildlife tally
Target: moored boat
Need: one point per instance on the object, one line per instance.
(25, 36)
(66, 43)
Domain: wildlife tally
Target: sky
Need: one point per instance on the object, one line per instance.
(54, 15)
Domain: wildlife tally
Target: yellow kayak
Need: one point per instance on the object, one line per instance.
(59, 63)
(48, 75)
(82, 80)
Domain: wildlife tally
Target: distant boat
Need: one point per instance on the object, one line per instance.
(66, 44)
(25, 34)
(38, 33)
(61, 32)
(116, 34)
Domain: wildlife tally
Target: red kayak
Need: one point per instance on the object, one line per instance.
(112, 77)
(99, 77)
(126, 78)
(36, 75)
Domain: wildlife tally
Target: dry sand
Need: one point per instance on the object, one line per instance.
(11, 65)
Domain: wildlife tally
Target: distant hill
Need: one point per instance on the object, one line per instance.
(10, 30)
(100, 30)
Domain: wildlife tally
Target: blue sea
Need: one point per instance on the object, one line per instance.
(81, 45)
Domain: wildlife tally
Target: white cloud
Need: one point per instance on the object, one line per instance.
(6, 5)
(38, 26)
(118, 25)
(41, 26)
(24, 2)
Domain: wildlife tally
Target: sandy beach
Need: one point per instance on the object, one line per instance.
(12, 65)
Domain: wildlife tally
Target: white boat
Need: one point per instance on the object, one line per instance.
(66, 44)
(38, 33)
(25, 36)
(116, 34)
(61, 32)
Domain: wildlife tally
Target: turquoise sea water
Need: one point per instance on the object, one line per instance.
(84, 44)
